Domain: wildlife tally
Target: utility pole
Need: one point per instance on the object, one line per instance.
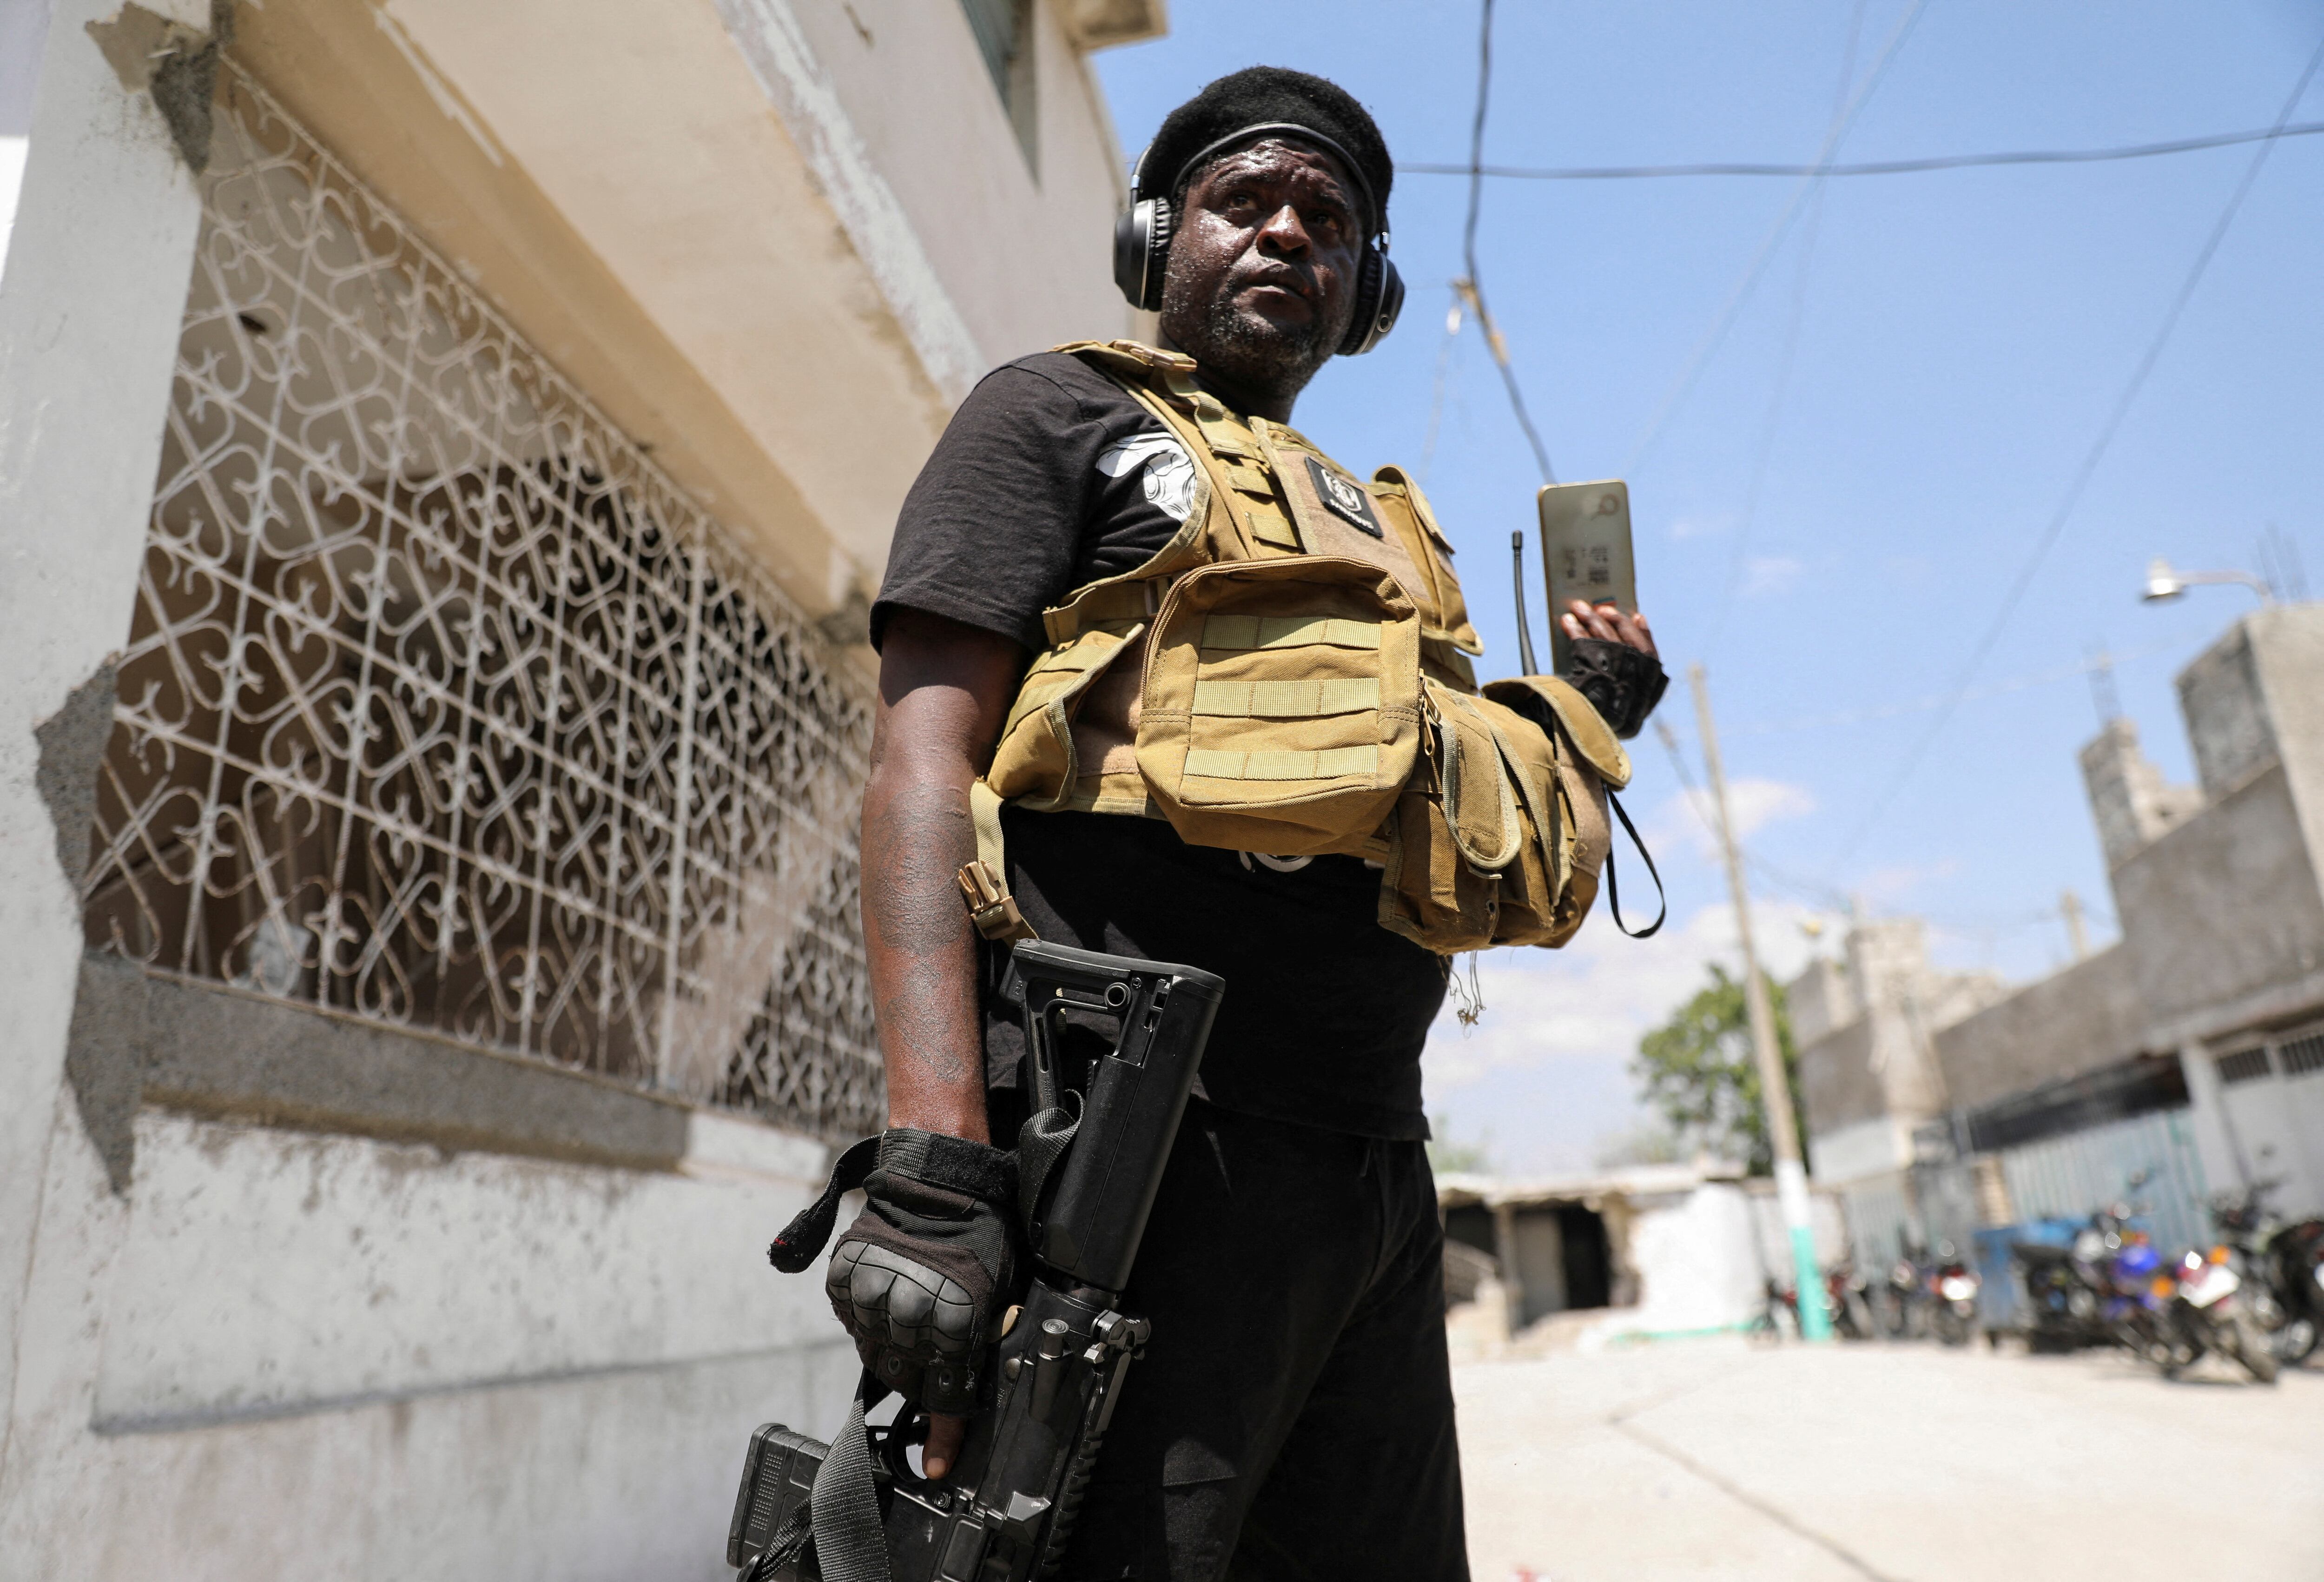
(2069, 907)
(1775, 1085)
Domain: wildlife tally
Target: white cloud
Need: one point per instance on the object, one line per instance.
(1765, 574)
(1752, 803)
(1702, 527)
(1598, 996)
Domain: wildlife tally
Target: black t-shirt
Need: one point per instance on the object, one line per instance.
(1049, 477)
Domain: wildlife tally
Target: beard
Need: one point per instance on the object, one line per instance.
(1246, 345)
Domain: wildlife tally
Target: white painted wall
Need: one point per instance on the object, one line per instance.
(1026, 255)
(1876, 1147)
(23, 37)
(95, 281)
(288, 1355)
(1697, 1265)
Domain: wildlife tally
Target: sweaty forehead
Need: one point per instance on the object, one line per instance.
(1283, 156)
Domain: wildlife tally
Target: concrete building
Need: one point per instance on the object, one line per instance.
(1636, 1252)
(444, 454)
(2190, 1051)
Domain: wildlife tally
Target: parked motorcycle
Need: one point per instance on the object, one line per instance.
(2134, 1294)
(1952, 1292)
(2096, 1290)
(1900, 1302)
(2210, 1311)
(1848, 1301)
(2281, 1263)
(2063, 1309)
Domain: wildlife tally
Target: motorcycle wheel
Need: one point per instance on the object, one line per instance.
(2252, 1348)
(2295, 1343)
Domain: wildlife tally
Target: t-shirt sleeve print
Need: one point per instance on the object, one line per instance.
(1169, 477)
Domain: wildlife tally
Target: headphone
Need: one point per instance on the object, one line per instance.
(1141, 240)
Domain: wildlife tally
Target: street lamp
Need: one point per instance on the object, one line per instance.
(2164, 584)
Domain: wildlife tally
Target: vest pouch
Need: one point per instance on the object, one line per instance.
(1454, 881)
(1459, 828)
(1281, 711)
(1036, 760)
(1565, 757)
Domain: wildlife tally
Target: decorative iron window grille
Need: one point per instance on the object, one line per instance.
(2244, 1065)
(443, 708)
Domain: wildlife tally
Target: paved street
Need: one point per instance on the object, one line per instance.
(1718, 1459)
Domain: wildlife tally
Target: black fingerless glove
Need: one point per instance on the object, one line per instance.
(922, 1278)
(1622, 684)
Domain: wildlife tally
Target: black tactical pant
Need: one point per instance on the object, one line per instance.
(1292, 1415)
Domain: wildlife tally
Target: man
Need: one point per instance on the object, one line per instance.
(1292, 1416)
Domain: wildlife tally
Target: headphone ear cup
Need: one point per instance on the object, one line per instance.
(1141, 251)
(1158, 232)
(1379, 298)
(1130, 230)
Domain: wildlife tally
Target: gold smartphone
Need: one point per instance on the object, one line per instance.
(1585, 553)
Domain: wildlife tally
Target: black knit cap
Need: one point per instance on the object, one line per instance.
(1257, 95)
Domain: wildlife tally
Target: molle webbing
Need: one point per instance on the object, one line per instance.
(1289, 675)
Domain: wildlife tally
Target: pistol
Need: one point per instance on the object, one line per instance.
(1005, 1513)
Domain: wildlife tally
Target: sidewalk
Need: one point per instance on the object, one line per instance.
(1719, 1459)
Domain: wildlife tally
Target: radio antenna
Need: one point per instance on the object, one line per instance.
(1524, 631)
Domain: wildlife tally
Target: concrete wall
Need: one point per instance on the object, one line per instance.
(2130, 801)
(2287, 653)
(281, 1295)
(90, 307)
(1859, 1151)
(1821, 999)
(1024, 248)
(1837, 1082)
(277, 1351)
(2088, 1016)
(2223, 909)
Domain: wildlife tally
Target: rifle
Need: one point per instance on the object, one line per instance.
(1006, 1512)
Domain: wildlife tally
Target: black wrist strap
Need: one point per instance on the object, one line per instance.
(802, 1240)
(1614, 885)
(954, 1163)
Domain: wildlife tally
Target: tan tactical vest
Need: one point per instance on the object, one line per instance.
(1289, 675)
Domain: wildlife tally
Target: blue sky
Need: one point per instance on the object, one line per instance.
(1960, 340)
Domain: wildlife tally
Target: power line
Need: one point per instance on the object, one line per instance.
(1473, 287)
(1959, 162)
(2082, 474)
(1709, 346)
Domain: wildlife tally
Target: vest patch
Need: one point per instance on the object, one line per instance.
(1169, 478)
(1343, 499)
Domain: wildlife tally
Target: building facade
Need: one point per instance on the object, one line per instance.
(446, 455)
(2184, 1059)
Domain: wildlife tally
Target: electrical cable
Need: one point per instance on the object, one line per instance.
(1959, 162)
(2082, 476)
(1809, 889)
(1473, 286)
(1707, 347)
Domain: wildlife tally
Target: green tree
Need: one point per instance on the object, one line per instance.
(1697, 1070)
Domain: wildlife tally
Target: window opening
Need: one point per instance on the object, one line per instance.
(1004, 37)
(2244, 1064)
(2304, 1055)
